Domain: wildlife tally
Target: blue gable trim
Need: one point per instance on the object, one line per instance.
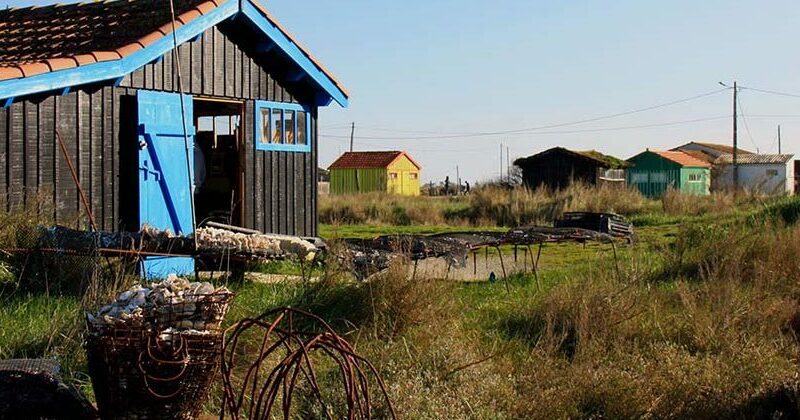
(108, 70)
(295, 53)
(117, 69)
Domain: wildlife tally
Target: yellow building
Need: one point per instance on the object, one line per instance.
(394, 172)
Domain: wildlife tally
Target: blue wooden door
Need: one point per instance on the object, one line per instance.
(165, 184)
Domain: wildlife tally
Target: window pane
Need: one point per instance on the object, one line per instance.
(288, 124)
(301, 128)
(277, 124)
(264, 125)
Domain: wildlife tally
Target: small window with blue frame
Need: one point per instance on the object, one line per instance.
(282, 127)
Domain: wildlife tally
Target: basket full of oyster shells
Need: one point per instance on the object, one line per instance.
(174, 303)
(153, 351)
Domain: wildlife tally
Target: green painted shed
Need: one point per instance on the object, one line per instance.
(653, 172)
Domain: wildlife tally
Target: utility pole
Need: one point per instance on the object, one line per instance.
(735, 140)
(458, 182)
(352, 132)
(779, 139)
(508, 165)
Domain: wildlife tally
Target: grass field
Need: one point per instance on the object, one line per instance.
(701, 322)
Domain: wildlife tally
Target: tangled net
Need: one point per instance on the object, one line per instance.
(252, 396)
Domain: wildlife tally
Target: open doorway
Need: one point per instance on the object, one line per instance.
(218, 161)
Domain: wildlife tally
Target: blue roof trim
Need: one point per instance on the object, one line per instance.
(117, 69)
(286, 44)
(107, 70)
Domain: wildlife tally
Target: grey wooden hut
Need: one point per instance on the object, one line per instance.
(104, 77)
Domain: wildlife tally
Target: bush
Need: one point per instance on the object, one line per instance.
(786, 210)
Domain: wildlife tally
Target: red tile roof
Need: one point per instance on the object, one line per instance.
(40, 39)
(37, 40)
(682, 158)
(375, 159)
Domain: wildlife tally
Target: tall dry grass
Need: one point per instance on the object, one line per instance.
(717, 341)
(502, 206)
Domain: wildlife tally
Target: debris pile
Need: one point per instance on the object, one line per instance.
(174, 304)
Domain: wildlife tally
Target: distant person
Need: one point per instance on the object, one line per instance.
(447, 185)
(466, 187)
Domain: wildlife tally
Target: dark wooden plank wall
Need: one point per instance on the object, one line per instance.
(34, 173)
(280, 187)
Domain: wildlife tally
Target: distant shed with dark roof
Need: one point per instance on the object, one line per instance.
(394, 172)
(653, 172)
(105, 78)
(707, 151)
(558, 167)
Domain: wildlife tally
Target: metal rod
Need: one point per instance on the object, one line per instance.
(503, 266)
(77, 181)
(616, 262)
(189, 156)
(533, 267)
(524, 260)
(474, 263)
(536, 264)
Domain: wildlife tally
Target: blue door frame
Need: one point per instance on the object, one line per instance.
(165, 185)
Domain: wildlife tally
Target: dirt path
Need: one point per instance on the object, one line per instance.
(477, 269)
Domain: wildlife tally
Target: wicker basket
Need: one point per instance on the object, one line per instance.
(137, 374)
(161, 364)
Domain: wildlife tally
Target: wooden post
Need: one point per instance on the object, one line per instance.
(352, 132)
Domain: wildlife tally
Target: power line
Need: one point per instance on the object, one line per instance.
(746, 126)
(589, 130)
(544, 127)
(771, 92)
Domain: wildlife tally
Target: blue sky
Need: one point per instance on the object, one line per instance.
(423, 68)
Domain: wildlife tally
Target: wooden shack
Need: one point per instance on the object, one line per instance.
(105, 78)
(653, 172)
(394, 172)
(558, 167)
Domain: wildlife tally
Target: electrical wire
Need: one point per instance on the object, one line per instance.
(590, 130)
(539, 128)
(746, 125)
(771, 92)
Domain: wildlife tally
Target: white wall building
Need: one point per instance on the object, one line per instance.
(770, 174)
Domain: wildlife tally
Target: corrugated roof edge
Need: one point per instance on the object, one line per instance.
(754, 159)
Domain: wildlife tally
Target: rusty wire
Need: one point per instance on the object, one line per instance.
(255, 397)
